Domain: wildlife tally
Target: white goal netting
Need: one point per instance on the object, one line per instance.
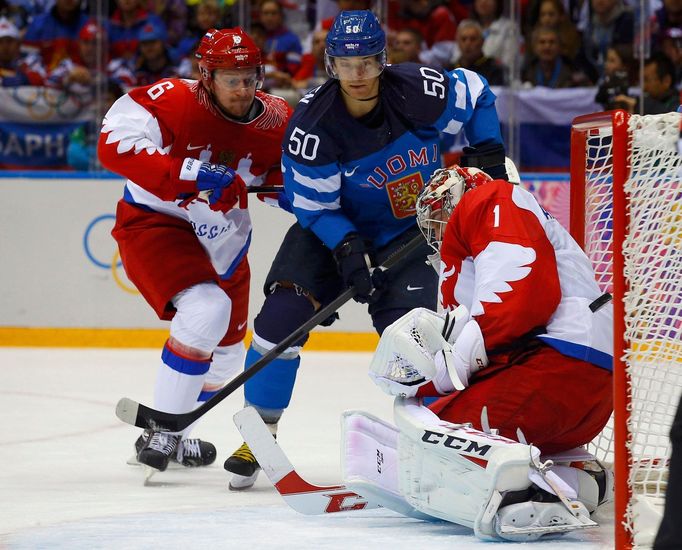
(652, 272)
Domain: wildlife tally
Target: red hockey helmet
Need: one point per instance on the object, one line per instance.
(228, 49)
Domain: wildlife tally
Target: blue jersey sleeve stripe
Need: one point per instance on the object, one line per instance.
(302, 203)
(475, 85)
(329, 184)
(453, 127)
(460, 95)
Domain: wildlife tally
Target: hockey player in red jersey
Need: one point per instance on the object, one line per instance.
(531, 333)
(522, 354)
(189, 150)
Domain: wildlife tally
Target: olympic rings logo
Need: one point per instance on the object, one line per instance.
(46, 103)
(114, 265)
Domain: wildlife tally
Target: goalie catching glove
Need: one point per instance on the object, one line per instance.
(217, 184)
(424, 351)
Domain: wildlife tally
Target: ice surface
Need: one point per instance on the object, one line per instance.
(64, 481)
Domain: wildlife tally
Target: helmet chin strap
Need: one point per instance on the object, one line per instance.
(358, 99)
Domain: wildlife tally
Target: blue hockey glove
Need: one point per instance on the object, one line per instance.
(355, 267)
(214, 176)
(224, 185)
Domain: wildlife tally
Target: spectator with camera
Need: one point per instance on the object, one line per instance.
(617, 77)
(659, 92)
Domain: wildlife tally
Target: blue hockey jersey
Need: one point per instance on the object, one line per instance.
(346, 175)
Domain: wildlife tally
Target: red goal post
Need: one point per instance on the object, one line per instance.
(626, 213)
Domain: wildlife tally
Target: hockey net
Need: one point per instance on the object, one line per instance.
(626, 212)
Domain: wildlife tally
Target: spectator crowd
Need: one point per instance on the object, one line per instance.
(558, 44)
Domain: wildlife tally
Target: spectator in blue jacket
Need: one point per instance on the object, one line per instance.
(17, 68)
(282, 46)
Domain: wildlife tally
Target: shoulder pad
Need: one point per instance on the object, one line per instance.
(412, 89)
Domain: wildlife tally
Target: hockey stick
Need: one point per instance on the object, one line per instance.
(265, 189)
(132, 412)
(302, 496)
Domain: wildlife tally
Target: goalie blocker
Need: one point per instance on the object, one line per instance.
(426, 467)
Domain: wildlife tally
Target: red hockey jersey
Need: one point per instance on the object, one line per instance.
(518, 270)
(147, 134)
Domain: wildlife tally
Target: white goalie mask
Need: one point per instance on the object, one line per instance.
(440, 196)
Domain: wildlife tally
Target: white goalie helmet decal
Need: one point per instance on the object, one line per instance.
(440, 196)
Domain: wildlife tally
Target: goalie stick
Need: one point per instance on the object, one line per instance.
(132, 412)
(299, 494)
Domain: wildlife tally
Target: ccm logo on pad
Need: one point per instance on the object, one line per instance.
(458, 443)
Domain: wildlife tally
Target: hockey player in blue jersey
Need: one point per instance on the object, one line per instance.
(356, 153)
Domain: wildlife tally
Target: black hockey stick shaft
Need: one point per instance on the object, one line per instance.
(131, 412)
(265, 189)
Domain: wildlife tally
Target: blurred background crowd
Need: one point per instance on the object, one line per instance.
(629, 51)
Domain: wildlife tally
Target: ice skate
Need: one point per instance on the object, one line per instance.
(158, 450)
(193, 453)
(244, 467)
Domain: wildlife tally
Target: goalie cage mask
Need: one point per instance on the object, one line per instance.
(440, 196)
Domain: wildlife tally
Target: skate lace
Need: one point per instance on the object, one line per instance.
(163, 442)
(190, 447)
(244, 453)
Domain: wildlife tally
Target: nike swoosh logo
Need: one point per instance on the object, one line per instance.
(409, 287)
(241, 325)
(349, 173)
(191, 147)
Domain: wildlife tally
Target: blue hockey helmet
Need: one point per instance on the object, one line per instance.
(356, 33)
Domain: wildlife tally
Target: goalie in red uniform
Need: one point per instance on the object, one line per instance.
(522, 355)
(189, 150)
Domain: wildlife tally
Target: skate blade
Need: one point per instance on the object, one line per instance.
(172, 465)
(242, 483)
(148, 474)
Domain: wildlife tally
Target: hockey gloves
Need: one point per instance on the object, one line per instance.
(355, 267)
(221, 186)
(489, 157)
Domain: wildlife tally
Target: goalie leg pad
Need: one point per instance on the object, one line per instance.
(369, 458)
(459, 474)
(454, 472)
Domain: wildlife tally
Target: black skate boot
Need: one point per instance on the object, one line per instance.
(195, 452)
(141, 441)
(191, 453)
(158, 450)
(244, 467)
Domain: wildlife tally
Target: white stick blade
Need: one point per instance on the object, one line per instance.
(271, 458)
(126, 410)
